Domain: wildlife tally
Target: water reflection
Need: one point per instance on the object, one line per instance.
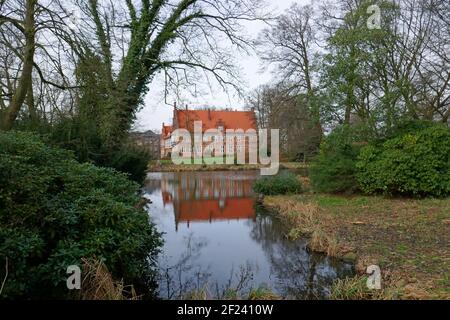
(216, 240)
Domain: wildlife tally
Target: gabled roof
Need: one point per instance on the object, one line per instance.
(166, 131)
(211, 119)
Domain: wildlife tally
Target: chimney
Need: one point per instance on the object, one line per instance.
(186, 107)
(252, 109)
(174, 105)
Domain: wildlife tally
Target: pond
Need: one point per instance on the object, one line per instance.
(217, 241)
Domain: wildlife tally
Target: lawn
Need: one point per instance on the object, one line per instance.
(169, 166)
(166, 165)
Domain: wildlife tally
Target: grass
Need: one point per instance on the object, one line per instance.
(356, 289)
(197, 295)
(409, 239)
(294, 165)
(260, 293)
(98, 283)
(168, 166)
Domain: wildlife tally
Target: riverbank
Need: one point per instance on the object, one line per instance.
(168, 166)
(408, 239)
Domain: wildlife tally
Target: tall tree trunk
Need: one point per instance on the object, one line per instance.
(30, 102)
(25, 79)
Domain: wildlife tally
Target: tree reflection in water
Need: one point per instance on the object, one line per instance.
(299, 273)
(188, 276)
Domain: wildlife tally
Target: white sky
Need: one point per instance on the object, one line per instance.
(156, 111)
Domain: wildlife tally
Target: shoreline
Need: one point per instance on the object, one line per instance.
(342, 228)
(169, 167)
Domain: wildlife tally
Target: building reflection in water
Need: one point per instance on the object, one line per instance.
(249, 251)
(206, 197)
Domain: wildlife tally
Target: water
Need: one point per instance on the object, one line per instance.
(217, 240)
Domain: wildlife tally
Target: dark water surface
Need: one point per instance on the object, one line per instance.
(217, 240)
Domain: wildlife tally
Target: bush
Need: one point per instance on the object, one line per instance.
(80, 136)
(411, 164)
(55, 211)
(408, 127)
(130, 159)
(334, 169)
(284, 183)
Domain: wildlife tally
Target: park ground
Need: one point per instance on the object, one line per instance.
(409, 239)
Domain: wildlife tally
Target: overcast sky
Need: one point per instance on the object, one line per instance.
(156, 111)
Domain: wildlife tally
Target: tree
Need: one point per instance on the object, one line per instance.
(382, 76)
(121, 46)
(278, 108)
(37, 61)
(289, 46)
(23, 88)
(136, 41)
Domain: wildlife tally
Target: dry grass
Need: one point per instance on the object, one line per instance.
(356, 289)
(198, 295)
(306, 182)
(98, 283)
(262, 294)
(306, 221)
(408, 239)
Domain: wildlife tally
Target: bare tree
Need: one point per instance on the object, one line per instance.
(38, 66)
(137, 40)
(26, 27)
(278, 108)
(290, 46)
(123, 45)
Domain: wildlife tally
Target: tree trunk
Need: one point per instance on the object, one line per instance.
(25, 79)
(30, 102)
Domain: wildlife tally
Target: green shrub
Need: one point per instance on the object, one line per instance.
(130, 159)
(284, 183)
(408, 127)
(81, 136)
(55, 211)
(411, 164)
(334, 169)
